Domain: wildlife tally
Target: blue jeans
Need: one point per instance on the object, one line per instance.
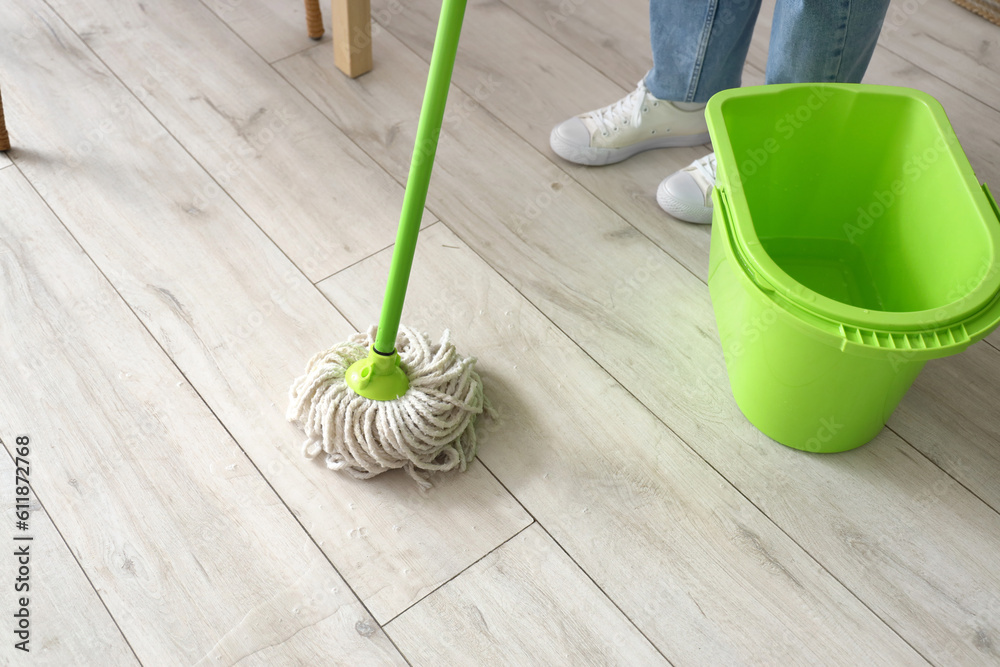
(699, 46)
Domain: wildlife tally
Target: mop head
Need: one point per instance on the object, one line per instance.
(429, 428)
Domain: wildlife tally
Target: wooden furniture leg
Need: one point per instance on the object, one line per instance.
(352, 36)
(4, 139)
(314, 19)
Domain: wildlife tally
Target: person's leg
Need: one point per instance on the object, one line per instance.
(698, 47)
(823, 40)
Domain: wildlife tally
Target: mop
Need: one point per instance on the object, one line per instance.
(390, 398)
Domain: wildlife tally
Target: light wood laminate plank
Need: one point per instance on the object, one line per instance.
(949, 42)
(950, 416)
(275, 30)
(525, 603)
(322, 200)
(69, 625)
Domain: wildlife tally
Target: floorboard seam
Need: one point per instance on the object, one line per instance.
(55, 525)
(459, 573)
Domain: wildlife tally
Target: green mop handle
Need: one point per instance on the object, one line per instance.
(428, 131)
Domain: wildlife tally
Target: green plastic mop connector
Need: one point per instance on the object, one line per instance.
(377, 376)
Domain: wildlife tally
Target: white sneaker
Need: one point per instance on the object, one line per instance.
(687, 194)
(635, 123)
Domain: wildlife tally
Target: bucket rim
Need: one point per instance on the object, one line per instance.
(967, 308)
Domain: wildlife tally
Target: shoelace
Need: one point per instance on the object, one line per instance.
(706, 166)
(610, 116)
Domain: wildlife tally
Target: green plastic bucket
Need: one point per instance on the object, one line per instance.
(851, 243)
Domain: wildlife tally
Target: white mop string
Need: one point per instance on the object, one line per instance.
(430, 428)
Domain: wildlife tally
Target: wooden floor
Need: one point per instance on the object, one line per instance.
(198, 201)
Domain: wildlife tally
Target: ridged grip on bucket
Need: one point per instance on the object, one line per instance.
(932, 342)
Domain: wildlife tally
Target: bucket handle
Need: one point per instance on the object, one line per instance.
(722, 204)
(992, 201)
(928, 344)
